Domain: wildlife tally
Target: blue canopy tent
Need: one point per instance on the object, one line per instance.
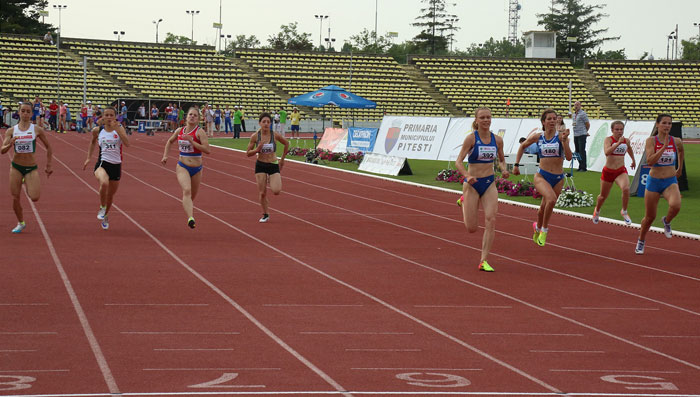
(332, 95)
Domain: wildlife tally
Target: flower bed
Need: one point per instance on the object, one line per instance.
(570, 197)
(510, 188)
(313, 155)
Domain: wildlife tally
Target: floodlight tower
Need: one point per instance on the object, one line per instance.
(513, 17)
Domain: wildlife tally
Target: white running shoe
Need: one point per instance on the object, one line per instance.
(626, 217)
(105, 223)
(265, 218)
(101, 213)
(20, 226)
(596, 216)
(639, 249)
(667, 228)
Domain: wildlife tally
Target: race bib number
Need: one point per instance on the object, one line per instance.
(486, 153)
(109, 145)
(668, 157)
(185, 146)
(267, 148)
(620, 150)
(24, 147)
(550, 149)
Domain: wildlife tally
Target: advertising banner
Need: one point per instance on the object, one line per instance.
(411, 137)
(382, 164)
(334, 139)
(361, 139)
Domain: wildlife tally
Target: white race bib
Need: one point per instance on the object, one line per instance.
(550, 149)
(185, 146)
(668, 157)
(24, 146)
(620, 150)
(267, 148)
(486, 153)
(108, 145)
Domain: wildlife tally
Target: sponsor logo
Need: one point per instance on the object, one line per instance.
(317, 95)
(115, 136)
(344, 96)
(392, 136)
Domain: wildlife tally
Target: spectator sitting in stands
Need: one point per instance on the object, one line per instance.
(48, 38)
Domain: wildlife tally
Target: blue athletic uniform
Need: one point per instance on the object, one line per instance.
(483, 153)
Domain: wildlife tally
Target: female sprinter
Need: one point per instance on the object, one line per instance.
(665, 155)
(264, 144)
(108, 169)
(482, 148)
(615, 148)
(24, 169)
(549, 180)
(192, 142)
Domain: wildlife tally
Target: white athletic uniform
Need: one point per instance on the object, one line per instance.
(110, 147)
(25, 141)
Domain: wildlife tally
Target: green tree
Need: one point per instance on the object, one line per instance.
(691, 49)
(172, 39)
(22, 17)
(433, 21)
(571, 18)
(618, 55)
(496, 48)
(364, 42)
(289, 39)
(401, 51)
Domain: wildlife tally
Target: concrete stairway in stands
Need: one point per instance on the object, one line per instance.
(422, 81)
(600, 94)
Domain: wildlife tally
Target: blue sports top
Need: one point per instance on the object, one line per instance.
(483, 152)
(551, 148)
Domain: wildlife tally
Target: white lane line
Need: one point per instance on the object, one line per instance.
(24, 304)
(87, 329)
(369, 393)
(569, 351)
(212, 369)
(671, 336)
(28, 333)
(611, 308)
(383, 350)
(416, 369)
(211, 285)
(353, 333)
(18, 351)
(449, 275)
(523, 334)
(306, 305)
(463, 306)
(178, 333)
(614, 371)
(192, 350)
(156, 304)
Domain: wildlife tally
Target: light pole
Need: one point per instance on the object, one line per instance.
(452, 22)
(330, 41)
(698, 25)
(193, 13)
(157, 23)
(119, 34)
(226, 37)
(376, 17)
(671, 37)
(320, 29)
(59, 7)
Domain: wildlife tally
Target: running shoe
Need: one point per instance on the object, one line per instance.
(485, 267)
(20, 226)
(101, 213)
(536, 233)
(596, 216)
(541, 239)
(190, 223)
(105, 223)
(459, 201)
(667, 228)
(265, 218)
(626, 217)
(639, 249)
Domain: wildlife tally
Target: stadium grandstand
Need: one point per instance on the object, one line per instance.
(266, 79)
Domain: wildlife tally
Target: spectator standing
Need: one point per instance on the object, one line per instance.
(581, 126)
(237, 118)
(295, 119)
(61, 116)
(142, 111)
(227, 120)
(242, 118)
(283, 122)
(2, 115)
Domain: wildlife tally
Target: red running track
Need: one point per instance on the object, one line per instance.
(356, 286)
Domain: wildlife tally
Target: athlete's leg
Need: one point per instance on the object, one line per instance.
(623, 181)
(549, 198)
(183, 178)
(112, 188)
(470, 208)
(489, 200)
(672, 194)
(33, 185)
(605, 187)
(651, 201)
(103, 180)
(261, 179)
(276, 183)
(15, 191)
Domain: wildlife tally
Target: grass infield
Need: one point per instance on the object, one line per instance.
(425, 171)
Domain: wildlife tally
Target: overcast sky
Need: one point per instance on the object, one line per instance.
(643, 25)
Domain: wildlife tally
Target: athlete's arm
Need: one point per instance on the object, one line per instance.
(565, 142)
(252, 149)
(681, 155)
(204, 146)
(169, 142)
(285, 142)
(122, 135)
(467, 145)
(631, 153)
(502, 158)
(8, 141)
(654, 156)
(41, 135)
(521, 149)
(609, 147)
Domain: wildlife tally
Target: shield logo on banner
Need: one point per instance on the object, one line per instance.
(392, 136)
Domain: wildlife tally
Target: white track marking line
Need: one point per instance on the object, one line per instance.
(384, 350)
(18, 351)
(612, 371)
(214, 288)
(28, 333)
(180, 333)
(671, 336)
(305, 305)
(569, 351)
(464, 306)
(370, 393)
(523, 334)
(87, 329)
(416, 369)
(19, 371)
(192, 349)
(611, 308)
(24, 304)
(353, 333)
(345, 194)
